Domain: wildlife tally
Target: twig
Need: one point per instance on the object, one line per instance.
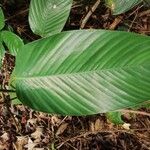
(136, 10)
(144, 13)
(85, 20)
(20, 13)
(133, 21)
(85, 134)
(13, 98)
(134, 112)
(116, 22)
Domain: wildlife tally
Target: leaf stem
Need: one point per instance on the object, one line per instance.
(13, 98)
(3, 102)
(88, 15)
(7, 91)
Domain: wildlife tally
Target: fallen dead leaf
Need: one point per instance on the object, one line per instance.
(126, 126)
(55, 120)
(30, 144)
(21, 141)
(92, 127)
(37, 134)
(31, 121)
(62, 128)
(3, 147)
(98, 125)
(5, 137)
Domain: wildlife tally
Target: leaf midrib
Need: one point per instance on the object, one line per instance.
(80, 73)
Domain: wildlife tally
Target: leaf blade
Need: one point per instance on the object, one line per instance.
(97, 73)
(47, 17)
(2, 19)
(12, 41)
(121, 6)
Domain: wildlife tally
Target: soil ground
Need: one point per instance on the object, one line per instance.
(24, 128)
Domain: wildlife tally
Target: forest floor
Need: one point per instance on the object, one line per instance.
(24, 128)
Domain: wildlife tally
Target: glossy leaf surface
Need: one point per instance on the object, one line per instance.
(47, 17)
(121, 6)
(84, 72)
(12, 41)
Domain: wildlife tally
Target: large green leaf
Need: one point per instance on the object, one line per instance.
(47, 17)
(84, 72)
(121, 6)
(2, 19)
(12, 41)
